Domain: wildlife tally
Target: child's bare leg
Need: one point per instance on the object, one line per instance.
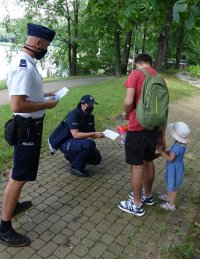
(172, 198)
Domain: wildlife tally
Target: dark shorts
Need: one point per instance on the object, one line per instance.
(27, 152)
(140, 146)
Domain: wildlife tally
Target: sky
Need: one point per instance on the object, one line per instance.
(11, 8)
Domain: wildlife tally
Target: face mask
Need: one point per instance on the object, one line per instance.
(38, 55)
(89, 109)
(41, 54)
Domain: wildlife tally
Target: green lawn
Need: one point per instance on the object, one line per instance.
(51, 79)
(109, 94)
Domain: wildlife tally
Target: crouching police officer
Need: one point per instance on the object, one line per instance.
(80, 148)
(28, 105)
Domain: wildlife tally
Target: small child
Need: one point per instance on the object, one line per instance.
(175, 165)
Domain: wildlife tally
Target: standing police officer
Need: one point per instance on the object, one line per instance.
(28, 105)
(80, 148)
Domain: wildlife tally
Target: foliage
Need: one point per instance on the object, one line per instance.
(105, 112)
(195, 70)
(97, 22)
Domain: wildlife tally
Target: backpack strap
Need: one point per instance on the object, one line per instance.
(145, 72)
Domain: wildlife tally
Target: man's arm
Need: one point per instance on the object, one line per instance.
(21, 105)
(129, 100)
(77, 134)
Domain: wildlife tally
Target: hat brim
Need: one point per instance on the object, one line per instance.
(90, 103)
(173, 133)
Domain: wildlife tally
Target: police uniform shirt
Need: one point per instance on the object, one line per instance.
(24, 79)
(78, 119)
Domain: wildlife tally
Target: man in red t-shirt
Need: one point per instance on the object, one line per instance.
(140, 145)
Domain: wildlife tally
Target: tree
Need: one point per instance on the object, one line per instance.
(182, 12)
(63, 14)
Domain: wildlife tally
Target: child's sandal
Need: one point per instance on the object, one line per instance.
(166, 206)
(163, 197)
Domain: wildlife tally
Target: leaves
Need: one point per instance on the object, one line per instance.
(190, 21)
(179, 7)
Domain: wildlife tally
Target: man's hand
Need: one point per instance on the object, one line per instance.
(50, 103)
(125, 116)
(49, 94)
(98, 134)
(160, 149)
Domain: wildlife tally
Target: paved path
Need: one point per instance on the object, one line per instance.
(76, 218)
(53, 86)
(195, 81)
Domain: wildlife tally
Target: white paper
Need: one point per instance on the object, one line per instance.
(110, 134)
(59, 94)
(62, 92)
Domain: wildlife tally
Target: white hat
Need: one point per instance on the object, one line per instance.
(179, 131)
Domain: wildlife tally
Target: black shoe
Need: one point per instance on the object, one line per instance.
(67, 158)
(78, 172)
(12, 238)
(21, 207)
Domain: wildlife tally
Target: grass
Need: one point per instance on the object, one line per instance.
(109, 94)
(189, 246)
(3, 84)
(5, 43)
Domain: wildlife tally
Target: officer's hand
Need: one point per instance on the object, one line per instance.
(98, 134)
(50, 103)
(49, 94)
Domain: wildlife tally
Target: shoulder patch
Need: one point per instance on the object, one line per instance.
(23, 63)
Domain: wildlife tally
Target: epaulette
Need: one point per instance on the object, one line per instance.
(23, 63)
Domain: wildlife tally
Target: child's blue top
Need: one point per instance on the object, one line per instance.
(177, 165)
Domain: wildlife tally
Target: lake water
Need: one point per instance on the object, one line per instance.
(3, 61)
(5, 64)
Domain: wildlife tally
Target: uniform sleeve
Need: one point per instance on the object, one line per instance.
(132, 79)
(73, 120)
(21, 82)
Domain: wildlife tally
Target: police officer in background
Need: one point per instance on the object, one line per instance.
(28, 105)
(80, 148)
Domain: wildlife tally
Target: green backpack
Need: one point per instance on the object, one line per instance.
(152, 109)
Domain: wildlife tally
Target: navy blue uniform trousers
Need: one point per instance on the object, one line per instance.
(81, 152)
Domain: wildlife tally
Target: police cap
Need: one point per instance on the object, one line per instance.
(87, 99)
(40, 31)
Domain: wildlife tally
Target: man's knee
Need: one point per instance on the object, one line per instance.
(88, 144)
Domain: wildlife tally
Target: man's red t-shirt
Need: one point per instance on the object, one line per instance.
(135, 80)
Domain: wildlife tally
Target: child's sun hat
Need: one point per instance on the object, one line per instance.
(179, 131)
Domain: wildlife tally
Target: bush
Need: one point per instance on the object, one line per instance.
(195, 70)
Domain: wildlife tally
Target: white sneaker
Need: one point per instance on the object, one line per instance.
(130, 207)
(147, 200)
(52, 150)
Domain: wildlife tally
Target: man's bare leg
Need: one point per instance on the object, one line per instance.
(149, 173)
(11, 196)
(137, 174)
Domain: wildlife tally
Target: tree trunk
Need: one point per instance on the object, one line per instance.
(69, 46)
(127, 46)
(74, 45)
(179, 47)
(163, 43)
(117, 54)
(144, 37)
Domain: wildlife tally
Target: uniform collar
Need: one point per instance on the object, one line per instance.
(28, 57)
(83, 113)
